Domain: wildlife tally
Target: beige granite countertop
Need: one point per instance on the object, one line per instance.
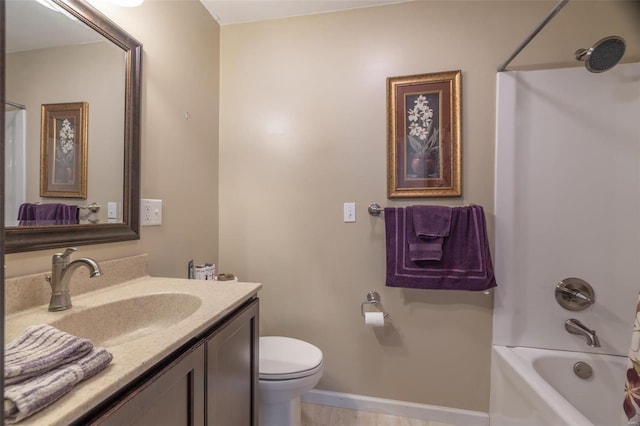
(131, 358)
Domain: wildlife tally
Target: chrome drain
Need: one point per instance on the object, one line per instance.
(583, 370)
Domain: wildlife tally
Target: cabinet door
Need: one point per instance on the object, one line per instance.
(232, 371)
(174, 397)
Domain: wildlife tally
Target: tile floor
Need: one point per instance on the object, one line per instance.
(322, 415)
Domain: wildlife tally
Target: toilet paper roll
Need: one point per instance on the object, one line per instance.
(374, 319)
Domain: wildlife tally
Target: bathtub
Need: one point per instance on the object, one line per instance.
(537, 387)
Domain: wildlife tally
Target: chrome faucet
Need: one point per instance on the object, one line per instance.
(574, 326)
(61, 271)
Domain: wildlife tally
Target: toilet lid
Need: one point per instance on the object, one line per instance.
(284, 358)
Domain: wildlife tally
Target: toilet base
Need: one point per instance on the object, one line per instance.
(286, 413)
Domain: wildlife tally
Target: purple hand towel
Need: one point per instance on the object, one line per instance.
(27, 211)
(56, 214)
(431, 226)
(466, 260)
(67, 214)
(47, 214)
(23, 399)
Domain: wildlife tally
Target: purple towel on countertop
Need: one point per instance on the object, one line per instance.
(466, 259)
(431, 226)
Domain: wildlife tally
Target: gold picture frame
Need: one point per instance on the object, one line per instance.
(63, 150)
(424, 153)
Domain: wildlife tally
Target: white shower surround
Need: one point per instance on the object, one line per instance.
(567, 204)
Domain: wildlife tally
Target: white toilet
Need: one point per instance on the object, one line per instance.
(288, 368)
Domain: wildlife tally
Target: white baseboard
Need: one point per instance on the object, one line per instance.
(412, 410)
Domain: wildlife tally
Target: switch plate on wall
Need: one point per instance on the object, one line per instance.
(150, 212)
(349, 212)
(112, 210)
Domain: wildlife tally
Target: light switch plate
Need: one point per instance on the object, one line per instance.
(150, 212)
(349, 212)
(112, 210)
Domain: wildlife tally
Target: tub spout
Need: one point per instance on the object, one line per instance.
(574, 326)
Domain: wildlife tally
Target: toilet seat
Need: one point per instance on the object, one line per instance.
(285, 358)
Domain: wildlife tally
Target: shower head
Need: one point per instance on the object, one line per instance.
(604, 55)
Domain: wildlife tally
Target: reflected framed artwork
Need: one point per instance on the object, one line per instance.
(63, 150)
(424, 157)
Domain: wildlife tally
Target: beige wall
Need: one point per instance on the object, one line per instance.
(179, 157)
(303, 130)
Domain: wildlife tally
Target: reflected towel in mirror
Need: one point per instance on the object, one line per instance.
(31, 214)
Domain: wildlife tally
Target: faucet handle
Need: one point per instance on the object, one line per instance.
(69, 251)
(57, 257)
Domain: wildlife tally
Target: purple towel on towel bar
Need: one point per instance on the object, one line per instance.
(56, 214)
(466, 259)
(27, 211)
(431, 225)
(47, 214)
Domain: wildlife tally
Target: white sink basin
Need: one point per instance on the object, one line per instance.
(122, 321)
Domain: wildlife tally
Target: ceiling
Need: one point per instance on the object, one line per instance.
(227, 12)
(32, 26)
(29, 26)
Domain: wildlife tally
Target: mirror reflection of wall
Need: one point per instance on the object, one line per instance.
(15, 166)
(77, 68)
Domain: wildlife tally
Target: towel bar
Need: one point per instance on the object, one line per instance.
(94, 207)
(375, 209)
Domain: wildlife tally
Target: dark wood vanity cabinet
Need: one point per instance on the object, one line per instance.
(232, 371)
(212, 382)
(175, 396)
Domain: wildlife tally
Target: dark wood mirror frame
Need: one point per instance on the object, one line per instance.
(30, 238)
(2, 232)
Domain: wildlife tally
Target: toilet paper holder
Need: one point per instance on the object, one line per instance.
(373, 298)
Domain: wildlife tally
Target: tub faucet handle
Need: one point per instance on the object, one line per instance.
(574, 294)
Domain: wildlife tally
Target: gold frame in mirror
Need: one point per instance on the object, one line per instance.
(63, 171)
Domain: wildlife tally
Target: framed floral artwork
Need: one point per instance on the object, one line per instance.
(63, 150)
(424, 156)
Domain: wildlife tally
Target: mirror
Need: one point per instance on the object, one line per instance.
(67, 61)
